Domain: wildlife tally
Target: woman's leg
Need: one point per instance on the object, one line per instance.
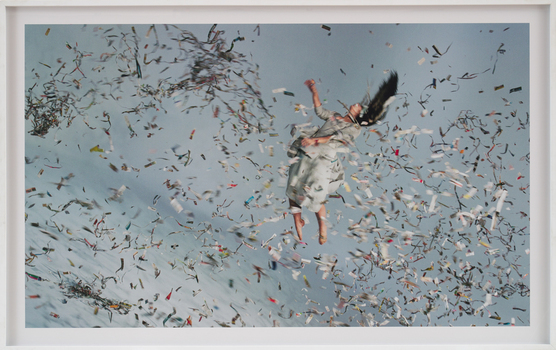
(299, 222)
(321, 219)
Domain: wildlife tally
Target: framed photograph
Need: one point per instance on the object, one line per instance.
(266, 175)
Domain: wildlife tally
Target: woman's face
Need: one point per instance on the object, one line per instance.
(355, 109)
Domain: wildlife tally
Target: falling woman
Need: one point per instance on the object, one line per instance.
(318, 170)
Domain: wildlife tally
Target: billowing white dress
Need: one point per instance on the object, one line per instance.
(319, 171)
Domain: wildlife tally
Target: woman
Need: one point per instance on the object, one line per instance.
(319, 171)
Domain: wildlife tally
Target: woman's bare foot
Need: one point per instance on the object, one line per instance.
(321, 218)
(299, 223)
(322, 232)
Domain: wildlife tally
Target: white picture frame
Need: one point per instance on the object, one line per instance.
(14, 14)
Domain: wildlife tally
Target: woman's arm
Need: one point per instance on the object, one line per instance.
(314, 141)
(321, 112)
(311, 85)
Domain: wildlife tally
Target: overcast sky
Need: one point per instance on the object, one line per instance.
(468, 81)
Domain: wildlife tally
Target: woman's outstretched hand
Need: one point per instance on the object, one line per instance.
(310, 84)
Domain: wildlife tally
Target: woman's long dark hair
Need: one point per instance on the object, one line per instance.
(375, 109)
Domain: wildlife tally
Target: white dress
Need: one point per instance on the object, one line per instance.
(319, 171)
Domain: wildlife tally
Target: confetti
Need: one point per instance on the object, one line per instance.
(159, 153)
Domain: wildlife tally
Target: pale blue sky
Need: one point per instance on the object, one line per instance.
(345, 61)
